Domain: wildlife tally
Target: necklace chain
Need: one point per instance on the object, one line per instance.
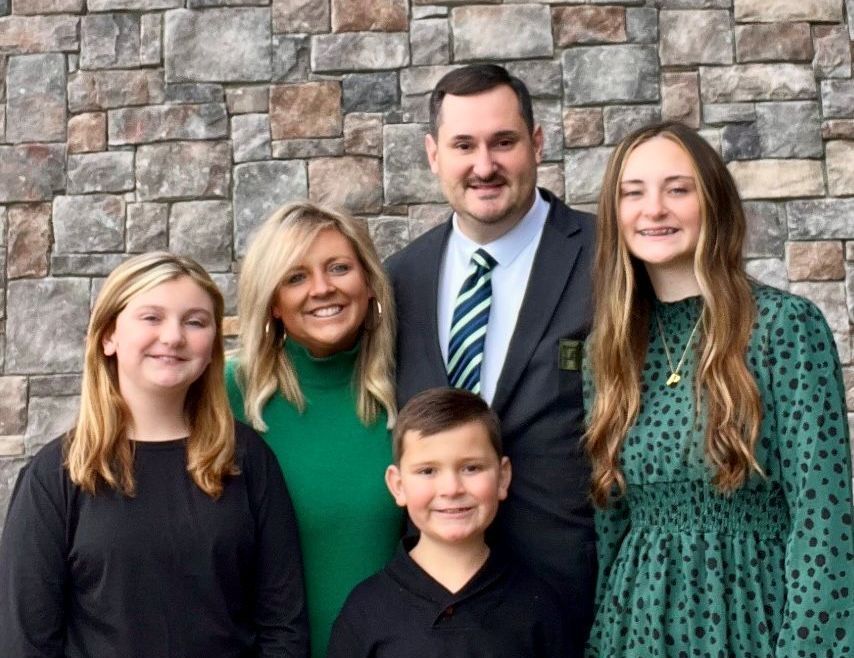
(675, 377)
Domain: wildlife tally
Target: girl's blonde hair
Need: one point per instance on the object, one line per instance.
(98, 450)
(263, 366)
(724, 387)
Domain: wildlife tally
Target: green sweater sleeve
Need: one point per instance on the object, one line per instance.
(235, 395)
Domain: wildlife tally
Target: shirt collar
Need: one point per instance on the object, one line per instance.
(506, 248)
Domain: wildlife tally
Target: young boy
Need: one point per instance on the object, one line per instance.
(447, 593)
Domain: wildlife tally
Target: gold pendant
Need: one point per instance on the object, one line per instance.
(674, 379)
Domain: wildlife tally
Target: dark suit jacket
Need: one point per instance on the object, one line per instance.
(547, 518)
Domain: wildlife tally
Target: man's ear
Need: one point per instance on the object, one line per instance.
(432, 149)
(537, 138)
(395, 485)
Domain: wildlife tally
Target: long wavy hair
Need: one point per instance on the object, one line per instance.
(724, 387)
(263, 366)
(97, 450)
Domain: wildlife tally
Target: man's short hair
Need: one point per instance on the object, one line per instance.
(440, 409)
(476, 79)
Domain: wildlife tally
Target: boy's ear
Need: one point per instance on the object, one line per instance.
(505, 474)
(395, 485)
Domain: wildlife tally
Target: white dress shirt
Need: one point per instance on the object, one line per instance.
(514, 252)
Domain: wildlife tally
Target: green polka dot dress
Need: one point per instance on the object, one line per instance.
(767, 572)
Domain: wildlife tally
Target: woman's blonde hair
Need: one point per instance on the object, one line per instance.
(98, 450)
(724, 387)
(263, 366)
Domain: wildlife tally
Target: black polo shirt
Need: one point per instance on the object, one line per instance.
(402, 612)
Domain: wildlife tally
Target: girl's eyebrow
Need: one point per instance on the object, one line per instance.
(669, 179)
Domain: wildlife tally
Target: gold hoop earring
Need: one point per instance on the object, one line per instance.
(270, 332)
(379, 310)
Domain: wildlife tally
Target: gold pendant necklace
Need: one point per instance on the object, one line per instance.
(675, 377)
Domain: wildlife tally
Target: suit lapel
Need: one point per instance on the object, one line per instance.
(427, 290)
(550, 272)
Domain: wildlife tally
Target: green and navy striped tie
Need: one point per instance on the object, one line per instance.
(468, 326)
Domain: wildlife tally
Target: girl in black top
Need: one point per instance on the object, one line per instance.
(156, 527)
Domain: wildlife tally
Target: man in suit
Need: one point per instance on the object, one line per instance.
(484, 147)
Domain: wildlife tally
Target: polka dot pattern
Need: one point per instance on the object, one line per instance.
(767, 572)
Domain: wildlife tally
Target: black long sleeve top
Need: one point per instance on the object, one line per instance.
(167, 573)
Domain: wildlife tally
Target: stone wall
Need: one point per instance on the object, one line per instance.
(130, 125)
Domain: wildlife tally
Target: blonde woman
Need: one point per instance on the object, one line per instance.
(717, 428)
(156, 527)
(313, 375)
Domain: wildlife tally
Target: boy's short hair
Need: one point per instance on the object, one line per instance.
(440, 409)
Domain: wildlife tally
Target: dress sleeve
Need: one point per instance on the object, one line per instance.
(280, 614)
(33, 568)
(815, 460)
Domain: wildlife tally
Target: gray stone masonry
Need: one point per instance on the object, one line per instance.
(133, 125)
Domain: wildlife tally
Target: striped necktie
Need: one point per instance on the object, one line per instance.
(468, 326)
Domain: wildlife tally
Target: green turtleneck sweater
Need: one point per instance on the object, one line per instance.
(334, 466)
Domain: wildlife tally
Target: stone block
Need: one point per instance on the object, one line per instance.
(418, 80)
(415, 109)
(548, 115)
(90, 223)
(39, 342)
(815, 261)
(227, 284)
(54, 385)
(151, 39)
(756, 82)
(849, 289)
(713, 137)
(247, 100)
(3, 226)
(300, 16)
(177, 170)
(772, 42)
(550, 176)
(583, 173)
(837, 129)
(9, 469)
(837, 99)
(821, 219)
(357, 51)
(85, 264)
(716, 113)
(642, 25)
(352, 184)
(428, 11)
(195, 41)
(777, 179)
(620, 120)
(250, 137)
(49, 417)
(109, 41)
(695, 37)
(103, 90)
(36, 7)
(839, 160)
(203, 230)
(583, 126)
(363, 134)
(680, 98)
(146, 227)
(87, 132)
(849, 251)
(369, 15)
(610, 74)
(766, 229)
(259, 189)
(848, 377)
(541, 77)
(761, 11)
(692, 4)
(288, 149)
(429, 41)
(588, 25)
(370, 92)
(31, 172)
(155, 123)
(309, 109)
(423, 217)
(29, 243)
(407, 177)
(501, 32)
(194, 92)
(133, 5)
(11, 446)
(832, 52)
(38, 34)
(770, 271)
(109, 171)
(389, 234)
(291, 54)
(13, 405)
(789, 130)
(740, 141)
(35, 81)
